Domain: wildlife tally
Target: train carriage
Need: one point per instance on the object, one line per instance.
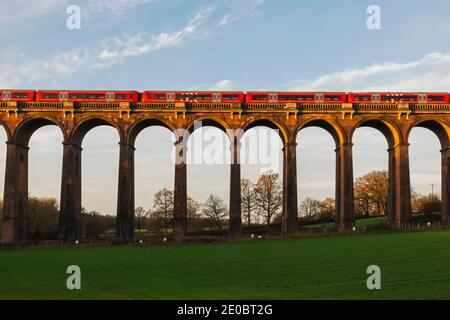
(398, 97)
(86, 96)
(17, 95)
(192, 97)
(296, 97)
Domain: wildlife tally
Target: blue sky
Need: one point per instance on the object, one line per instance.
(234, 44)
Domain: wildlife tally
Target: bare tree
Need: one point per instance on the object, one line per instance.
(248, 200)
(310, 208)
(139, 216)
(163, 204)
(268, 193)
(215, 211)
(193, 214)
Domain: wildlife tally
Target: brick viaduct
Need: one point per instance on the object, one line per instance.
(394, 121)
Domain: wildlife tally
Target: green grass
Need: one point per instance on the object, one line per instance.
(361, 222)
(414, 265)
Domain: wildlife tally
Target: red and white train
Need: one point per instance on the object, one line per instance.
(193, 97)
(387, 97)
(301, 97)
(222, 97)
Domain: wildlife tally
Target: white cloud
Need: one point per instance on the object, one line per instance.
(25, 10)
(111, 51)
(116, 7)
(223, 85)
(21, 69)
(430, 73)
(239, 9)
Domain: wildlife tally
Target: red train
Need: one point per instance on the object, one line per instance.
(385, 97)
(200, 97)
(87, 96)
(17, 95)
(302, 97)
(222, 96)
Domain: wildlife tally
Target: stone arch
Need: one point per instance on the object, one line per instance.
(26, 128)
(439, 128)
(208, 122)
(334, 129)
(442, 132)
(140, 125)
(283, 131)
(389, 130)
(81, 129)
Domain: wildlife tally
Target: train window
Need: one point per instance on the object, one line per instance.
(399, 98)
(193, 97)
(260, 97)
(362, 98)
(121, 96)
(233, 97)
(19, 95)
(50, 96)
(332, 98)
(158, 96)
(91, 96)
(296, 97)
(436, 98)
(201, 97)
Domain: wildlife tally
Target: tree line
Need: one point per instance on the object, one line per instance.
(261, 206)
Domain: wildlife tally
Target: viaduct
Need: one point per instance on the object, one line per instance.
(394, 121)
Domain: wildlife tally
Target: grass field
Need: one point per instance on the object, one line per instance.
(414, 265)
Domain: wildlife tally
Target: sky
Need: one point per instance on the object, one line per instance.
(221, 45)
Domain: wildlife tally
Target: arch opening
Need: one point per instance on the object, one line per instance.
(44, 182)
(371, 142)
(428, 149)
(316, 167)
(154, 179)
(99, 178)
(261, 159)
(208, 159)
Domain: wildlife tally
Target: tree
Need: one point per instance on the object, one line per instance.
(310, 208)
(371, 193)
(215, 211)
(268, 194)
(194, 214)
(327, 209)
(429, 204)
(139, 217)
(163, 204)
(92, 225)
(43, 218)
(193, 208)
(248, 200)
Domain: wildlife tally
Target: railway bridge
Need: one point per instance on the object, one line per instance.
(395, 121)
